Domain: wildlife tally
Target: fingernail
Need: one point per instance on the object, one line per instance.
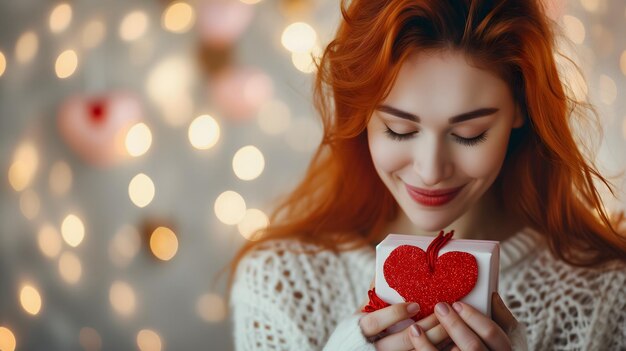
(412, 308)
(415, 330)
(457, 307)
(442, 308)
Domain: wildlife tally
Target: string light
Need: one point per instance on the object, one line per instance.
(7, 339)
(134, 26)
(66, 64)
(299, 37)
(149, 340)
(60, 18)
(211, 308)
(30, 299)
(248, 163)
(90, 339)
(138, 139)
(73, 230)
(122, 298)
(26, 47)
(204, 132)
(141, 190)
(230, 207)
(178, 17)
(253, 220)
(94, 33)
(163, 243)
(3, 63)
(49, 241)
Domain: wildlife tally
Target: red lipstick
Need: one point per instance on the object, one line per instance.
(432, 197)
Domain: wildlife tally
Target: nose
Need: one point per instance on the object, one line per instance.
(432, 162)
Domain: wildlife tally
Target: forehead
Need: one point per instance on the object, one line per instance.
(445, 82)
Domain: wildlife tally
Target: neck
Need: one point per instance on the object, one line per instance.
(485, 221)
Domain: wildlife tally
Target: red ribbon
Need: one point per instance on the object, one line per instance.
(375, 302)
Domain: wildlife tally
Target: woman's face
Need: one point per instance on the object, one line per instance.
(445, 126)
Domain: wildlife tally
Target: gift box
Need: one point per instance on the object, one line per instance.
(428, 270)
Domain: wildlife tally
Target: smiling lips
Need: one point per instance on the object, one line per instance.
(433, 198)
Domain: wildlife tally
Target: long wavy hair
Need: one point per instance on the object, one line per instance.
(546, 180)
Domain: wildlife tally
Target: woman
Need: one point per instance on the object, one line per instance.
(439, 115)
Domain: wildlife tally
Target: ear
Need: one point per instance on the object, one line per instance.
(519, 118)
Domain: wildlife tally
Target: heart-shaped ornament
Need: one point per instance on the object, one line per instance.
(95, 127)
(424, 278)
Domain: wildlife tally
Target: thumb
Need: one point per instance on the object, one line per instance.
(501, 314)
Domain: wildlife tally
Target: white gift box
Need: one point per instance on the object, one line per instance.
(486, 253)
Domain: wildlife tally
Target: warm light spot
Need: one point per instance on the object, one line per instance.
(29, 204)
(60, 179)
(608, 89)
(49, 241)
(122, 298)
(574, 29)
(253, 220)
(66, 64)
(204, 132)
(211, 308)
(141, 190)
(3, 63)
(94, 33)
(304, 135)
(304, 61)
(60, 18)
(7, 339)
(148, 340)
(30, 299)
(299, 37)
(591, 5)
(169, 86)
(89, 339)
(248, 163)
(250, 2)
(73, 230)
(163, 243)
(124, 246)
(274, 117)
(230, 207)
(134, 25)
(178, 17)
(622, 62)
(26, 47)
(70, 267)
(138, 139)
(24, 167)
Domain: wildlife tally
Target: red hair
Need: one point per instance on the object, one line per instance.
(545, 179)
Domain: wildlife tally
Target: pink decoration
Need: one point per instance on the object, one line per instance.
(95, 127)
(221, 22)
(239, 93)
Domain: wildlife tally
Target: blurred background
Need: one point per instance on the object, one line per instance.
(142, 141)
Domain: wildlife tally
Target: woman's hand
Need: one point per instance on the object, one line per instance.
(468, 328)
(373, 326)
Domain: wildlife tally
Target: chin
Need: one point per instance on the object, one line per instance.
(428, 222)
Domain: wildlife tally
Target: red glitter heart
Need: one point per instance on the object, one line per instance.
(453, 276)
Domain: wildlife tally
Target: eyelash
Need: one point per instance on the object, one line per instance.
(463, 141)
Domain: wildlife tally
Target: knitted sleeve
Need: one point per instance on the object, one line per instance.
(285, 300)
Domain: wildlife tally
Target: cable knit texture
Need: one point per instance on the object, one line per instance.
(283, 299)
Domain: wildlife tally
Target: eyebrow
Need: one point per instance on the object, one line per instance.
(481, 112)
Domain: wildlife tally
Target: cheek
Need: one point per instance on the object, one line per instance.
(485, 162)
(387, 155)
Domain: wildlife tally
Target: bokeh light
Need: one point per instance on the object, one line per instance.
(178, 17)
(30, 204)
(73, 230)
(211, 308)
(94, 33)
(163, 243)
(230, 207)
(3, 63)
(60, 18)
(26, 47)
(204, 132)
(304, 61)
(274, 117)
(49, 240)
(124, 246)
(24, 167)
(66, 64)
(138, 139)
(149, 340)
(141, 190)
(248, 163)
(89, 339)
(30, 299)
(7, 339)
(60, 180)
(591, 5)
(122, 298)
(608, 89)
(622, 62)
(70, 267)
(169, 87)
(299, 37)
(134, 26)
(253, 220)
(574, 29)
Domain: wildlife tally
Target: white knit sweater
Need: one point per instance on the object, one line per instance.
(286, 301)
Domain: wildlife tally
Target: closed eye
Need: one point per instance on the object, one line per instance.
(463, 141)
